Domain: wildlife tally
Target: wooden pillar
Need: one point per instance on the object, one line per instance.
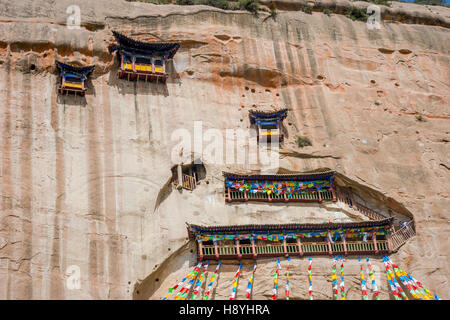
(180, 175)
(285, 197)
(374, 238)
(200, 250)
(229, 195)
(334, 194)
(268, 196)
(238, 252)
(286, 254)
(345, 244)
(320, 196)
(255, 255)
(330, 251)
(216, 250)
(300, 251)
(245, 196)
(388, 237)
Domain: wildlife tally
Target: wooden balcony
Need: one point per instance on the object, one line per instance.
(276, 249)
(150, 76)
(243, 196)
(69, 89)
(188, 182)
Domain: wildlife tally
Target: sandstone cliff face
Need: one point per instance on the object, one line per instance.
(84, 182)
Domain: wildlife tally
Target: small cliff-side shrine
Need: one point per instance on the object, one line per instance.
(238, 242)
(310, 187)
(268, 124)
(143, 60)
(73, 79)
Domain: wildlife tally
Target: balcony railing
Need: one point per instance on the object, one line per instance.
(242, 196)
(399, 237)
(301, 248)
(370, 213)
(188, 182)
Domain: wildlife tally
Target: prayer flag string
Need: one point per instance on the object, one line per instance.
(250, 283)
(275, 280)
(406, 282)
(341, 285)
(425, 291)
(310, 280)
(415, 287)
(363, 281)
(389, 275)
(372, 279)
(199, 282)
(211, 281)
(235, 283)
(182, 294)
(174, 288)
(287, 279)
(397, 285)
(334, 279)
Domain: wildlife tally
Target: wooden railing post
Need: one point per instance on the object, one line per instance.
(334, 194)
(388, 237)
(229, 195)
(200, 250)
(216, 250)
(345, 244)
(299, 247)
(285, 197)
(238, 251)
(286, 254)
(330, 251)
(268, 196)
(320, 196)
(245, 195)
(255, 255)
(374, 237)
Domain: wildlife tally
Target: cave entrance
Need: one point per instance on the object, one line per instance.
(191, 174)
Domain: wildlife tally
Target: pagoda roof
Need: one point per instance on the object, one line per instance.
(329, 174)
(165, 49)
(78, 71)
(267, 115)
(282, 228)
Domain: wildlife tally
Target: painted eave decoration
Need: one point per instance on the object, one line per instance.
(162, 49)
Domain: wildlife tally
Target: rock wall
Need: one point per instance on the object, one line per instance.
(80, 177)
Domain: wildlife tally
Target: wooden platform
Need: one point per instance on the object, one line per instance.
(146, 76)
(71, 90)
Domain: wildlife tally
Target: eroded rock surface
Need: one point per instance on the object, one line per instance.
(80, 178)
